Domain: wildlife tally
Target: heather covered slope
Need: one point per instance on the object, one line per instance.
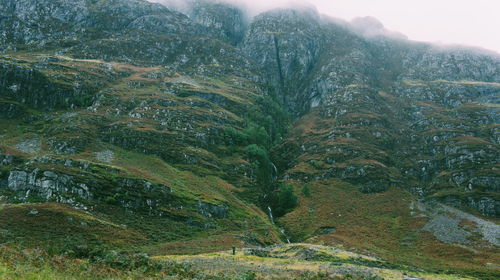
(134, 128)
(147, 129)
(426, 118)
(381, 124)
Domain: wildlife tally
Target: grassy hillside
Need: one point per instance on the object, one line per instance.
(127, 128)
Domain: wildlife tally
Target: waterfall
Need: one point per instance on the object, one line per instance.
(274, 173)
(284, 233)
(282, 230)
(270, 214)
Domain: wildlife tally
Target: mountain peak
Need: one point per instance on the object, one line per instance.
(126, 126)
(372, 27)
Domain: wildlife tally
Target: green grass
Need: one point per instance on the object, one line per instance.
(152, 117)
(381, 224)
(301, 261)
(17, 263)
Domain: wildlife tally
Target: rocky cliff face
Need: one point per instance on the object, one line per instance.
(377, 101)
(103, 83)
(125, 107)
(45, 23)
(286, 45)
(223, 20)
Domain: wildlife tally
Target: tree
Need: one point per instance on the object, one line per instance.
(306, 191)
(286, 199)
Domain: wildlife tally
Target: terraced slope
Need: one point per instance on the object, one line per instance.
(145, 129)
(381, 124)
(132, 131)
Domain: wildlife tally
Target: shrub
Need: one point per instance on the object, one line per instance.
(252, 134)
(257, 135)
(251, 275)
(286, 200)
(256, 152)
(306, 191)
(238, 137)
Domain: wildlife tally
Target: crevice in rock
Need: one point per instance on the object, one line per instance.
(278, 61)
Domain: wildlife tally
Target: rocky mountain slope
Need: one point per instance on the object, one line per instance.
(184, 131)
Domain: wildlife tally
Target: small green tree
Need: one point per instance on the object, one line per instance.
(262, 163)
(255, 152)
(257, 135)
(286, 199)
(237, 137)
(306, 191)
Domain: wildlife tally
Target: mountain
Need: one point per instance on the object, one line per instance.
(129, 125)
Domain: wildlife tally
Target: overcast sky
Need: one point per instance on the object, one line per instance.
(467, 22)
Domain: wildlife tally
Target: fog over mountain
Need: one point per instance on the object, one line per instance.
(243, 141)
(465, 23)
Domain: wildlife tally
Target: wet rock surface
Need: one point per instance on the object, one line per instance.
(105, 156)
(445, 228)
(129, 105)
(31, 146)
(451, 225)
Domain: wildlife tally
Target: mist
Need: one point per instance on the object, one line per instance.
(472, 23)
(251, 8)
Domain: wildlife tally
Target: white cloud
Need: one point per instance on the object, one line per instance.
(468, 22)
